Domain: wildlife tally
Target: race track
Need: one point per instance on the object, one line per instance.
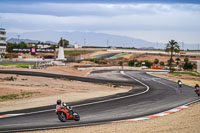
(150, 95)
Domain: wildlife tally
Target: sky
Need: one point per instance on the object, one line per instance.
(151, 20)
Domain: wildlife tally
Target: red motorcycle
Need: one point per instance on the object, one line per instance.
(197, 90)
(65, 113)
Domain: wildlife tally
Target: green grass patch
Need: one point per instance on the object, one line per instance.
(10, 97)
(76, 52)
(189, 73)
(17, 96)
(23, 65)
(117, 55)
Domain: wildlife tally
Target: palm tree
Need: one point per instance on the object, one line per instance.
(172, 47)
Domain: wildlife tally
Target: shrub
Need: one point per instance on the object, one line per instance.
(188, 66)
(132, 62)
(162, 63)
(148, 63)
(120, 63)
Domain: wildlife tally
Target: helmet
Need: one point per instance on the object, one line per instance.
(59, 102)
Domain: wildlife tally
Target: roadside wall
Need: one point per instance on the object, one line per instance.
(111, 68)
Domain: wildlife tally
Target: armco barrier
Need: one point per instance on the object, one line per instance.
(110, 67)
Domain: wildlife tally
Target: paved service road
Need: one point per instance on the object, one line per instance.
(150, 95)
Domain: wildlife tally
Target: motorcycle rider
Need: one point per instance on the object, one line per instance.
(58, 104)
(63, 105)
(179, 83)
(196, 86)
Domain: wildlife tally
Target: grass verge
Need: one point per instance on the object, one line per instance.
(17, 96)
(24, 65)
(76, 52)
(189, 73)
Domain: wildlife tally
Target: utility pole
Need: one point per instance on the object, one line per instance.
(183, 46)
(107, 43)
(18, 36)
(84, 42)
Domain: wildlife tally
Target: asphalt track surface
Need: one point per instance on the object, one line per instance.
(106, 55)
(150, 95)
(19, 62)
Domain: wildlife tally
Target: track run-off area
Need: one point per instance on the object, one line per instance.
(150, 95)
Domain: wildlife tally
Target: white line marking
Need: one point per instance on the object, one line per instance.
(139, 119)
(122, 72)
(161, 114)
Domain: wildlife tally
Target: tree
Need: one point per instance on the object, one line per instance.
(162, 63)
(186, 60)
(177, 61)
(10, 46)
(120, 63)
(188, 66)
(148, 63)
(132, 62)
(64, 42)
(172, 47)
(170, 60)
(156, 61)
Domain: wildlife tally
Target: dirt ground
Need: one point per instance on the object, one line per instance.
(164, 58)
(68, 69)
(41, 91)
(45, 91)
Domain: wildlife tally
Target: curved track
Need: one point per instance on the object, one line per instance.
(150, 95)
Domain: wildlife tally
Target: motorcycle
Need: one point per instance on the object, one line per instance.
(65, 113)
(197, 90)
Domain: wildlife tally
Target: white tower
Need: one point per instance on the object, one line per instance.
(61, 56)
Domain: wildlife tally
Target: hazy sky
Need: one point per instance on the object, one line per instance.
(152, 20)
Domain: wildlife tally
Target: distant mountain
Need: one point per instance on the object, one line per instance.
(84, 38)
(147, 48)
(50, 42)
(15, 40)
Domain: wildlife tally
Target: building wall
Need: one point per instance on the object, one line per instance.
(198, 66)
(2, 40)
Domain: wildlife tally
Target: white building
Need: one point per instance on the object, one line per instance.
(198, 66)
(77, 46)
(2, 40)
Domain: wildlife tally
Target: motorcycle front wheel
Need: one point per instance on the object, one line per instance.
(62, 116)
(77, 116)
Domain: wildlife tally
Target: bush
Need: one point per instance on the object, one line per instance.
(148, 63)
(156, 61)
(7, 55)
(188, 66)
(132, 62)
(162, 63)
(120, 63)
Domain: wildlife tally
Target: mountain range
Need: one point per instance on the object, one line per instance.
(82, 38)
(92, 39)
